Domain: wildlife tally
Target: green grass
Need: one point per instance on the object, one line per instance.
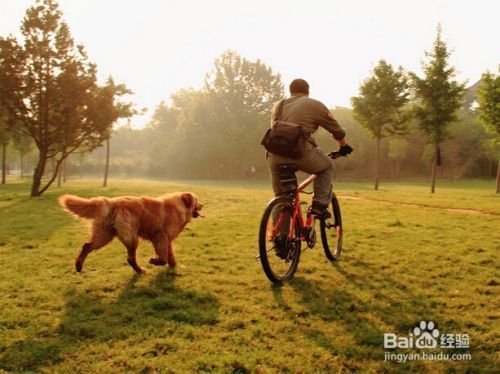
(402, 263)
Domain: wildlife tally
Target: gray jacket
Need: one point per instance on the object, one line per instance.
(310, 114)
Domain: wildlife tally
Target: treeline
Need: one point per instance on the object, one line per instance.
(55, 118)
(151, 152)
(50, 100)
(214, 133)
(401, 126)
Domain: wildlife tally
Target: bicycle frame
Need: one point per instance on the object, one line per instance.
(297, 212)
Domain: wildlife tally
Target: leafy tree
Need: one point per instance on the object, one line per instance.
(380, 106)
(59, 104)
(116, 109)
(11, 60)
(4, 136)
(439, 97)
(241, 94)
(489, 110)
(215, 132)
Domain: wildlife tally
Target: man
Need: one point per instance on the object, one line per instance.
(310, 114)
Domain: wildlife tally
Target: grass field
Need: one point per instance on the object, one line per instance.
(407, 257)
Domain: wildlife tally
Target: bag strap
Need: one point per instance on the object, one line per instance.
(279, 110)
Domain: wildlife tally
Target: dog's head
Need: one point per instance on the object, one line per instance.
(192, 203)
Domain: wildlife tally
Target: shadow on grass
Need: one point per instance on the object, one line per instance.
(91, 319)
(358, 318)
(30, 221)
(393, 307)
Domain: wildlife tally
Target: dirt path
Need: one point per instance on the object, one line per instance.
(473, 212)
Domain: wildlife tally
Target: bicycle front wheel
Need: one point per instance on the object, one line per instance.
(331, 232)
(279, 247)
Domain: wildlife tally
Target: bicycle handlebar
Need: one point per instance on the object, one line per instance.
(341, 152)
(335, 154)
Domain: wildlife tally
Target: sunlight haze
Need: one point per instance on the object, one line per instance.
(158, 47)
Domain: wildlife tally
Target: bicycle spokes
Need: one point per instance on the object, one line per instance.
(279, 241)
(273, 229)
(331, 233)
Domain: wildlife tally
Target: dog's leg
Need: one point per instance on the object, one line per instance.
(171, 256)
(127, 229)
(132, 258)
(161, 244)
(98, 239)
(131, 244)
(80, 259)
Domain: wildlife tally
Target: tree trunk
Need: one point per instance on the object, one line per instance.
(433, 170)
(377, 157)
(498, 177)
(4, 163)
(59, 176)
(53, 178)
(106, 168)
(52, 166)
(22, 164)
(38, 174)
(64, 171)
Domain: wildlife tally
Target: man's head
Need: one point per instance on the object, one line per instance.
(299, 86)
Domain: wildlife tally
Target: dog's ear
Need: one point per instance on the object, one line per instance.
(188, 200)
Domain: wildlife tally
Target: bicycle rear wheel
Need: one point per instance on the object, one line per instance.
(279, 251)
(331, 232)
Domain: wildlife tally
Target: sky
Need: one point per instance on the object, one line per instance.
(157, 47)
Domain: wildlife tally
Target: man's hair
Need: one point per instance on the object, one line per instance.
(299, 86)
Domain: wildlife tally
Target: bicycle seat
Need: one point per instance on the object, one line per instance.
(287, 176)
(287, 168)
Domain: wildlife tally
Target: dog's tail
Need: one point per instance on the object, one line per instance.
(83, 208)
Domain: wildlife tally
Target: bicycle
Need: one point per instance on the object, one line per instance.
(283, 229)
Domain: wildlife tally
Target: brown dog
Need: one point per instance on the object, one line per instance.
(130, 218)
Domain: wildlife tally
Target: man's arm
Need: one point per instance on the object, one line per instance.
(330, 124)
(342, 142)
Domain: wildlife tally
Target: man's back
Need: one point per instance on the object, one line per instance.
(310, 114)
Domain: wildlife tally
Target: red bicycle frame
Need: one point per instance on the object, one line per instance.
(297, 213)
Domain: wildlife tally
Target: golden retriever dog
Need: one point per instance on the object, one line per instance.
(129, 218)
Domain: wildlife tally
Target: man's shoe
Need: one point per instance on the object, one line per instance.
(281, 246)
(320, 211)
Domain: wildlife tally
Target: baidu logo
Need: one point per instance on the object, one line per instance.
(426, 335)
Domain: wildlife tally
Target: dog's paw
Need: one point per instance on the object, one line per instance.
(157, 261)
(78, 266)
(140, 270)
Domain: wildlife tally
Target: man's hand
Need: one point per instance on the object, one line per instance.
(345, 150)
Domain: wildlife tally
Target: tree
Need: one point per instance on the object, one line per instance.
(241, 94)
(215, 132)
(11, 60)
(116, 109)
(439, 97)
(61, 107)
(380, 106)
(489, 110)
(4, 139)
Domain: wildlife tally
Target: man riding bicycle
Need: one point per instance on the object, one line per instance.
(310, 114)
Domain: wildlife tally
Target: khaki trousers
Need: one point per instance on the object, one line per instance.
(314, 161)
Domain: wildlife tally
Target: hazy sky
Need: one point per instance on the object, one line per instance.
(157, 47)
